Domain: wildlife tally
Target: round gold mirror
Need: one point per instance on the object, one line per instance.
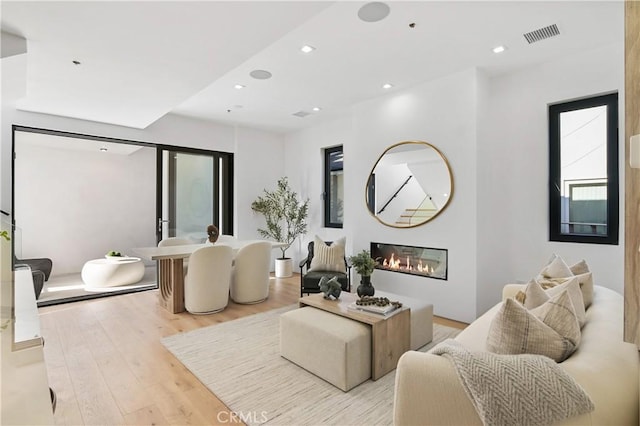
(410, 184)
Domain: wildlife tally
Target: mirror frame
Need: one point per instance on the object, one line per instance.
(414, 142)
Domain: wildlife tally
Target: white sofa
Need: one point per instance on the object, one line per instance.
(428, 391)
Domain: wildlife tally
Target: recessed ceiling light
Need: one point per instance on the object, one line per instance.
(373, 12)
(499, 49)
(316, 109)
(307, 49)
(260, 74)
(239, 86)
(387, 86)
(103, 149)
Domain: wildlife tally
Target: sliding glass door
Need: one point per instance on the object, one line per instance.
(195, 190)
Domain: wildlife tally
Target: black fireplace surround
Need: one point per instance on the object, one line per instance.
(420, 261)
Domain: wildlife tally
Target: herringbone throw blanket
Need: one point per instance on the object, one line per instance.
(516, 389)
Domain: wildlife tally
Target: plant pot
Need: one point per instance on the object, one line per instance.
(365, 288)
(284, 267)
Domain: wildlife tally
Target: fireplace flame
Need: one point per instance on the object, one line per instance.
(393, 263)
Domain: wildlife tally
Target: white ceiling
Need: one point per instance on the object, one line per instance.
(142, 60)
(74, 143)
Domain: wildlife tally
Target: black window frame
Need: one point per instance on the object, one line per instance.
(326, 195)
(613, 186)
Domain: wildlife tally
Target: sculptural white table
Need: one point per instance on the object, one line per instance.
(100, 273)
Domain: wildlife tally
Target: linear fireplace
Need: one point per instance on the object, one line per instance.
(421, 261)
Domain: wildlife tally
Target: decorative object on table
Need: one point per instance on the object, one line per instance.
(377, 301)
(364, 264)
(330, 287)
(213, 233)
(114, 255)
(376, 305)
(285, 218)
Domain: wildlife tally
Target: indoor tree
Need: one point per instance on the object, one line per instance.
(285, 215)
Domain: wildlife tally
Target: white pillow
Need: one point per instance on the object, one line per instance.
(328, 258)
(557, 271)
(557, 268)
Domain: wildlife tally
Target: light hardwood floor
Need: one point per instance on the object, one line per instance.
(107, 365)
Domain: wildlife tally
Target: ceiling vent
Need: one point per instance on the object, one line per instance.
(542, 33)
(301, 114)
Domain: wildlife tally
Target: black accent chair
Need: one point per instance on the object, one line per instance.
(40, 270)
(309, 281)
(39, 264)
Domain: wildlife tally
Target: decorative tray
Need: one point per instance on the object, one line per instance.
(375, 305)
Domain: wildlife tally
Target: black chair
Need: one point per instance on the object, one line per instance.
(309, 281)
(38, 264)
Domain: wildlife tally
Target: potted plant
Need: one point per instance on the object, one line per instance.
(285, 217)
(364, 265)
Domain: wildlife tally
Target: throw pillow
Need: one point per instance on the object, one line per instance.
(328, 258)
(534, 295)
(584, 280)
(557, 268)
(580, 268)
(572, 287)
(551, 329)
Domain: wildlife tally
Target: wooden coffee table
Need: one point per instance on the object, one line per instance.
(390, 335)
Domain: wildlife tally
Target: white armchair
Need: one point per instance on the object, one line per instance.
(177, 241)
(206, 287)
(250, 276)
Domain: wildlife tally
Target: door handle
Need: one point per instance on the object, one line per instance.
(160, 222)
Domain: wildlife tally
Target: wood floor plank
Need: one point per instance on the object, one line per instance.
(97, 405)
(67, 408)
(150, 415)
(175, 406)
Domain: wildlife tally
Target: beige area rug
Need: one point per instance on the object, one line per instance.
(240, 362)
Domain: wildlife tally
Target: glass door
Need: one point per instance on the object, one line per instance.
(195, 191)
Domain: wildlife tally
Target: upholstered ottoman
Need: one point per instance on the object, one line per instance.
(332, 347)
(421, 318)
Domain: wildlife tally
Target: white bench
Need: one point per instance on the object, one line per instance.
(421, 318)
(330, 346)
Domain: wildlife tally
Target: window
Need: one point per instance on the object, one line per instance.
(333, 187)
(583, 170)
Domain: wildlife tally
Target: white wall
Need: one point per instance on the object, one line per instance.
(304, 166)
(441, 112)
(262, 160)
(259, 163)
(73, 206)
(493, 131)
(516, 163)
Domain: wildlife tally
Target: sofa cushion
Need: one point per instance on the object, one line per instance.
(551, 329)
(328, 257)
(534, 295)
